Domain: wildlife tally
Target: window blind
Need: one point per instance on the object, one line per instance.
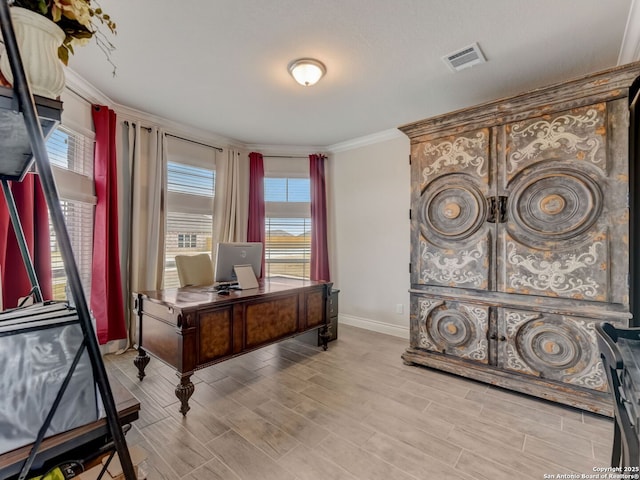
(79, 222)
(71, 151)
(288, 246)
(71, 155)
(189, 179)
(189, 214)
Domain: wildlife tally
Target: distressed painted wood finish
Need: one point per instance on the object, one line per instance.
(562, 348)
(454, 239)
(453, 328)
(565, 178)
(520, 212)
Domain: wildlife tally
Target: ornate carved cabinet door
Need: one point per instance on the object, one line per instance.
(555, 347)
(452, 242)
(566, 193)
(454, 328)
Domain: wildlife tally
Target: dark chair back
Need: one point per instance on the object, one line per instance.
(625, 451)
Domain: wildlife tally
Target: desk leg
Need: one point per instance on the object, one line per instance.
(184, 390)
(141, 361)
(325, 335)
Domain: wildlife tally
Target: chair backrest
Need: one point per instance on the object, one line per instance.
(194, 270)
(626, 449)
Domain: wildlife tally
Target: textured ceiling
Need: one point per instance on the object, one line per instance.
(221, 65)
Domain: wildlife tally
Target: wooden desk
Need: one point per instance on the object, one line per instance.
(194, 327)
(63, 444)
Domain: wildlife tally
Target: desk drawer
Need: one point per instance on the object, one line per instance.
(333, 303)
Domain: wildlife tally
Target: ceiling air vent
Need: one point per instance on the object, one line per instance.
(464, 58)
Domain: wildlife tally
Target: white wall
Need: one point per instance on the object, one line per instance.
(369, 195)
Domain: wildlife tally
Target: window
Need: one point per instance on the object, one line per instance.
(190, 192)
(295, 190)
(287, 225)
(187, 240)
(71, 157)
(288, 246)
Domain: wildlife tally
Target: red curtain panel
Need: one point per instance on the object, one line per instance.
(106, 285)
(256, 226)
(319, 251)
(34, 218)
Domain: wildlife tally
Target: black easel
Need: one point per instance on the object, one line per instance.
(25, 119)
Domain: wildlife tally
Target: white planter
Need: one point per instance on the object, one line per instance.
(38, 41)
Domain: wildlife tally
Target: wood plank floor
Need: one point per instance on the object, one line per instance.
(292, 411)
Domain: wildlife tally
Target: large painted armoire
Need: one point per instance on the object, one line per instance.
(520, 237)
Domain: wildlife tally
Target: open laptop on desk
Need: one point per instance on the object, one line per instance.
(246, 280)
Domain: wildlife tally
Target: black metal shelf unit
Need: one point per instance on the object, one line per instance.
(23, 129)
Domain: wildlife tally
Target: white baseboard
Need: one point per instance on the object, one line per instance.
(374, 325)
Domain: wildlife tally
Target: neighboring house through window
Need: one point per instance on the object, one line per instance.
(187, 240)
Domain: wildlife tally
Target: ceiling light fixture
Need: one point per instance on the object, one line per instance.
(307, 71)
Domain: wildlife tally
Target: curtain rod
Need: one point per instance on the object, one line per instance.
(80, 96)
(220, 149)
(282, 156)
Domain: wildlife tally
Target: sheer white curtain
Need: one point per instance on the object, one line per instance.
(231, 201)
(144, 213)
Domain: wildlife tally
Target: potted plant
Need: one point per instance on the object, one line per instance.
(47, 31)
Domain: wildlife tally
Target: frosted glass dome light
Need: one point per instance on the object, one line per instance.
(307, 71)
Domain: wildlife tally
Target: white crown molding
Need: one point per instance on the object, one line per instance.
(79, 86)
(176, 128)
(366, 140)
(374, 325)
(630, 48)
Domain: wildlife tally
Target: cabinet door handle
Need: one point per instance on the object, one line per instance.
(491, 209)
(503, 338)
(502, 209)
(493, 336)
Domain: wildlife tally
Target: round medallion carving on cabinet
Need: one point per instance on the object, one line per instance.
(553, 205)
(550, 346)
(452, 208)
(450, 328)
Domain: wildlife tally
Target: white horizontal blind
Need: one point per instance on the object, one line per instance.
(287, 226)
(79, 222)
(288, 246)
(189, 214)
(71, 155)
(71, 151)
(190, 180)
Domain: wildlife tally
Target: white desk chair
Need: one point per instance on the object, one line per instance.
(194, 270)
